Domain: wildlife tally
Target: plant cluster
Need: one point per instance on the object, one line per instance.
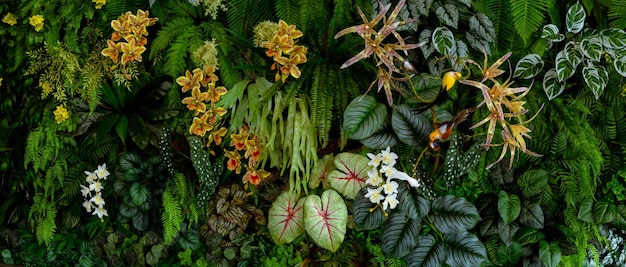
(95, 202)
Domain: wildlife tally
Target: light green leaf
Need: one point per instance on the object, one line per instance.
(427, 253)
(527, 16)
(367, 215)
(325, 219)
(464, 249)
(551, 33)
(363, 117)
(454, 214)
(528, 67)
(285, 219)
(481, 25)
(613, 38)
(604, 212)
(573, 54)
(564, 69)
(620, 66)
(412, 128)
(509, 206)
(575, 18)
(400, 234)
(596, 78)
(428, 48)
(448, 14)
(532, 182)
(443, 40)
(532, 216)
(549, 253)
(585, 210)
(320, 172)
(592, 47)
(350, 175)
(139, 193)
(423, 6)
(551, 84)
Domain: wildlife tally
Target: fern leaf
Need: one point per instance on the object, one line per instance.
(528, 16)
(171, 217)
(287, 10)
(238, 15)
(617, 13)
(168, 34)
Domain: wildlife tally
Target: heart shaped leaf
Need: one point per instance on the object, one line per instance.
(464, 249)
(363, 117)
(400, 234)
(549, 253)
(443, 39)
(350, 175)
(509, 206)
(551, 84)
(533, 182)
(320, 172)
(454, 214)
(613, 38)
(585, 210)
(564, 68)
(529, 236)
(507, 232)
(412, 204)
(427, 253)
(286, 218)
(573, 54)
(528, 67)
(138, 193)
(325, 219)
(532, 216)
(596, 78)
(604, 212)
(592, 47)
(575, 18)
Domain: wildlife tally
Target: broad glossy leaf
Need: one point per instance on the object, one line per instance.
(286, 218)
(620, 66)
(592, 47)
(507, 232)
(477, 43)
(575, 18)
(551, 33)
(423, 6)
(83, 260)
(366, 215)
(573, 54)
(325, 219)
(428, 48)
(412, 128)
(363, 117)
(454, 214)
(549, 253)
(564, 69)
(509, 206)
(443, 40)
(509, 255)
(532, 182)
(132, 174)
(613, 38)
(481, 25)
(321, 170)
(596, 77)
(127, 211)
(620, 217)
(350, 175)
(141, 221)
(604, 212)
(189, 240)
(532, 216)
(528, 67)
(529, 236)
(427, 253)
(138, 130)
(138, 193)
(448, 14)
(411, 203)
(400, 234)
(585, 210)
(383, 138)
(464, 249)
(551, 85)
(427, 87)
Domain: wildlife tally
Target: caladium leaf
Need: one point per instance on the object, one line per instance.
(551, 84)
(427, 253)
(529, 66)
(363, 117)
(325, 219)
(350, 175)
(454, 214)
(592, 47)
(286, 218)
(320, 172)
(443, 39)
(400, 234)
(575, 18)
(367, 215)
(464, 249)
(509, 206)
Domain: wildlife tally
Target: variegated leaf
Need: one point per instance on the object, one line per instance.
(468, 3)
(564, 69)
(443, 40)
(448, 14)
(620, 66)
(428, 48)
(575, 18)
(596, 78)
(551, 33)
(573, 54)
(481, 25)
(551, 84)
(528, 67)
(478, 44)
(423, 6)
(613, 38)
(591, 47)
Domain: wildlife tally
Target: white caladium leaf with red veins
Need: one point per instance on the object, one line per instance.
(286, 218)
(325, 219)
(350, 175)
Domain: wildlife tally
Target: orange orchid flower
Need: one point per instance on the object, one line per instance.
(131, 51)
(189, 81)
(254, 176)
(234, 161)
(196, 101)
(112, 51)
(199, 126)
(217, 136)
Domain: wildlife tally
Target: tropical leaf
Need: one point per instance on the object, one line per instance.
(620, 66)
(551, 84)
(464, 249)
(138, 193)
(564, 69)
(510, 255)
(478, 44)
(551, 33)
(528, 67)
(141, 221)
(381, 139)
(458, 55)
(427, 253)
(529, 236)
(448, 14)
(412, 204)
(596, 77)
(527, 16)
(604, 212)
(620, 217)
(443, 40)
(532, 216)
(613, 38)
(366, 215)
(412, 128)
(325, 219)
(350, 175)
(400, 234)
(592, 47)
(320, 172)
(507, 232)
(509, 206)
(454, 214)
(585, 210)
(481, 25)
(532, 182)
(575, 18)
(363, 117)
(286, 218)
(549, 253)
(573, 54)
(427, 48)
(423, 6)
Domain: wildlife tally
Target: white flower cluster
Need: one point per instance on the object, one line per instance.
(94, 201)
(385, 190)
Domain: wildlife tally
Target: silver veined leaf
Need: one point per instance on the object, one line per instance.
(620, 66)
(596, 78)
(528, 67)
(613, 38)
(458, 55)
(478, 44)
(448, 14)
(591, 47)
(468, 3)
(325, 219)
(573, 54)
(363, 117)
(564, 69)
(481, 25)
(412, 128)
(551, 84)
(423, 6)
(443, 40)
(428, 48)
(551, 33)
(464, 249)
(575, 18)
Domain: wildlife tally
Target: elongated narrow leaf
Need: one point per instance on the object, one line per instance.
(529, 236)
(620, 66)
(575, 18)
(427, 253)
(363, 117)
(533, 182)
(532, 216)
(604, 212)
(366, 215)
(443, 40)
(564, 69)
(509, 206)
(350, 175)
(423, 6)
(138, 193)
(448, 14)
(585, 210)
(549, 253)
(573, 54)
(454, 214)
(592, 47)
(551, 84)
(285, 219)
(596, 78)
(464, 249)
(412, 128)
(320, 172)
(325, 219)
(412, 204)
(400, 234)
(507, 232)
(528, 67)
(613, 38)
(551, 33)
(481, 25)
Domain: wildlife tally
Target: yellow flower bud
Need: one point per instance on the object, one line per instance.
(9, 19)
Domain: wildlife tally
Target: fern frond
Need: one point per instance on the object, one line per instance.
(499, 13)
(168, 34)
(171, 217)
(528, 16)
(617, 14)
(238, 15)
(176, 57)
(288, 11)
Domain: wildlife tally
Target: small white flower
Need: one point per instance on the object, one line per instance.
(388, 157)
(374, 160)
(88, 206)
(391, 187)
(390, 201)
(374, 194)
(100, 211)
(374, 177)
(388, 170)
(85, 190)
(97, 199)
(96, 186)
(405, 177)
(102, 171)
(91, 176)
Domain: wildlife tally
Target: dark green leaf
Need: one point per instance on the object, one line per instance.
(141, 221)
(367, 216)
(138, 193)
(464, 249)
(585, 210)
(189, 240)
(400, 234)
(529, 236)
(412, 128)
(575, 18)
(532, 216)
(412, 204)
(132, 174)
(86, 261)
(127, 211)
(454, 214)
(533, 182)
(604, 212)
(383, 138)
(122, 128)
(507, 232)
(428, 253)
(549, 253)
(448, 14)
(138, 131)
(510, 255)
(509, 206)
(620, 217)
(363, 117)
